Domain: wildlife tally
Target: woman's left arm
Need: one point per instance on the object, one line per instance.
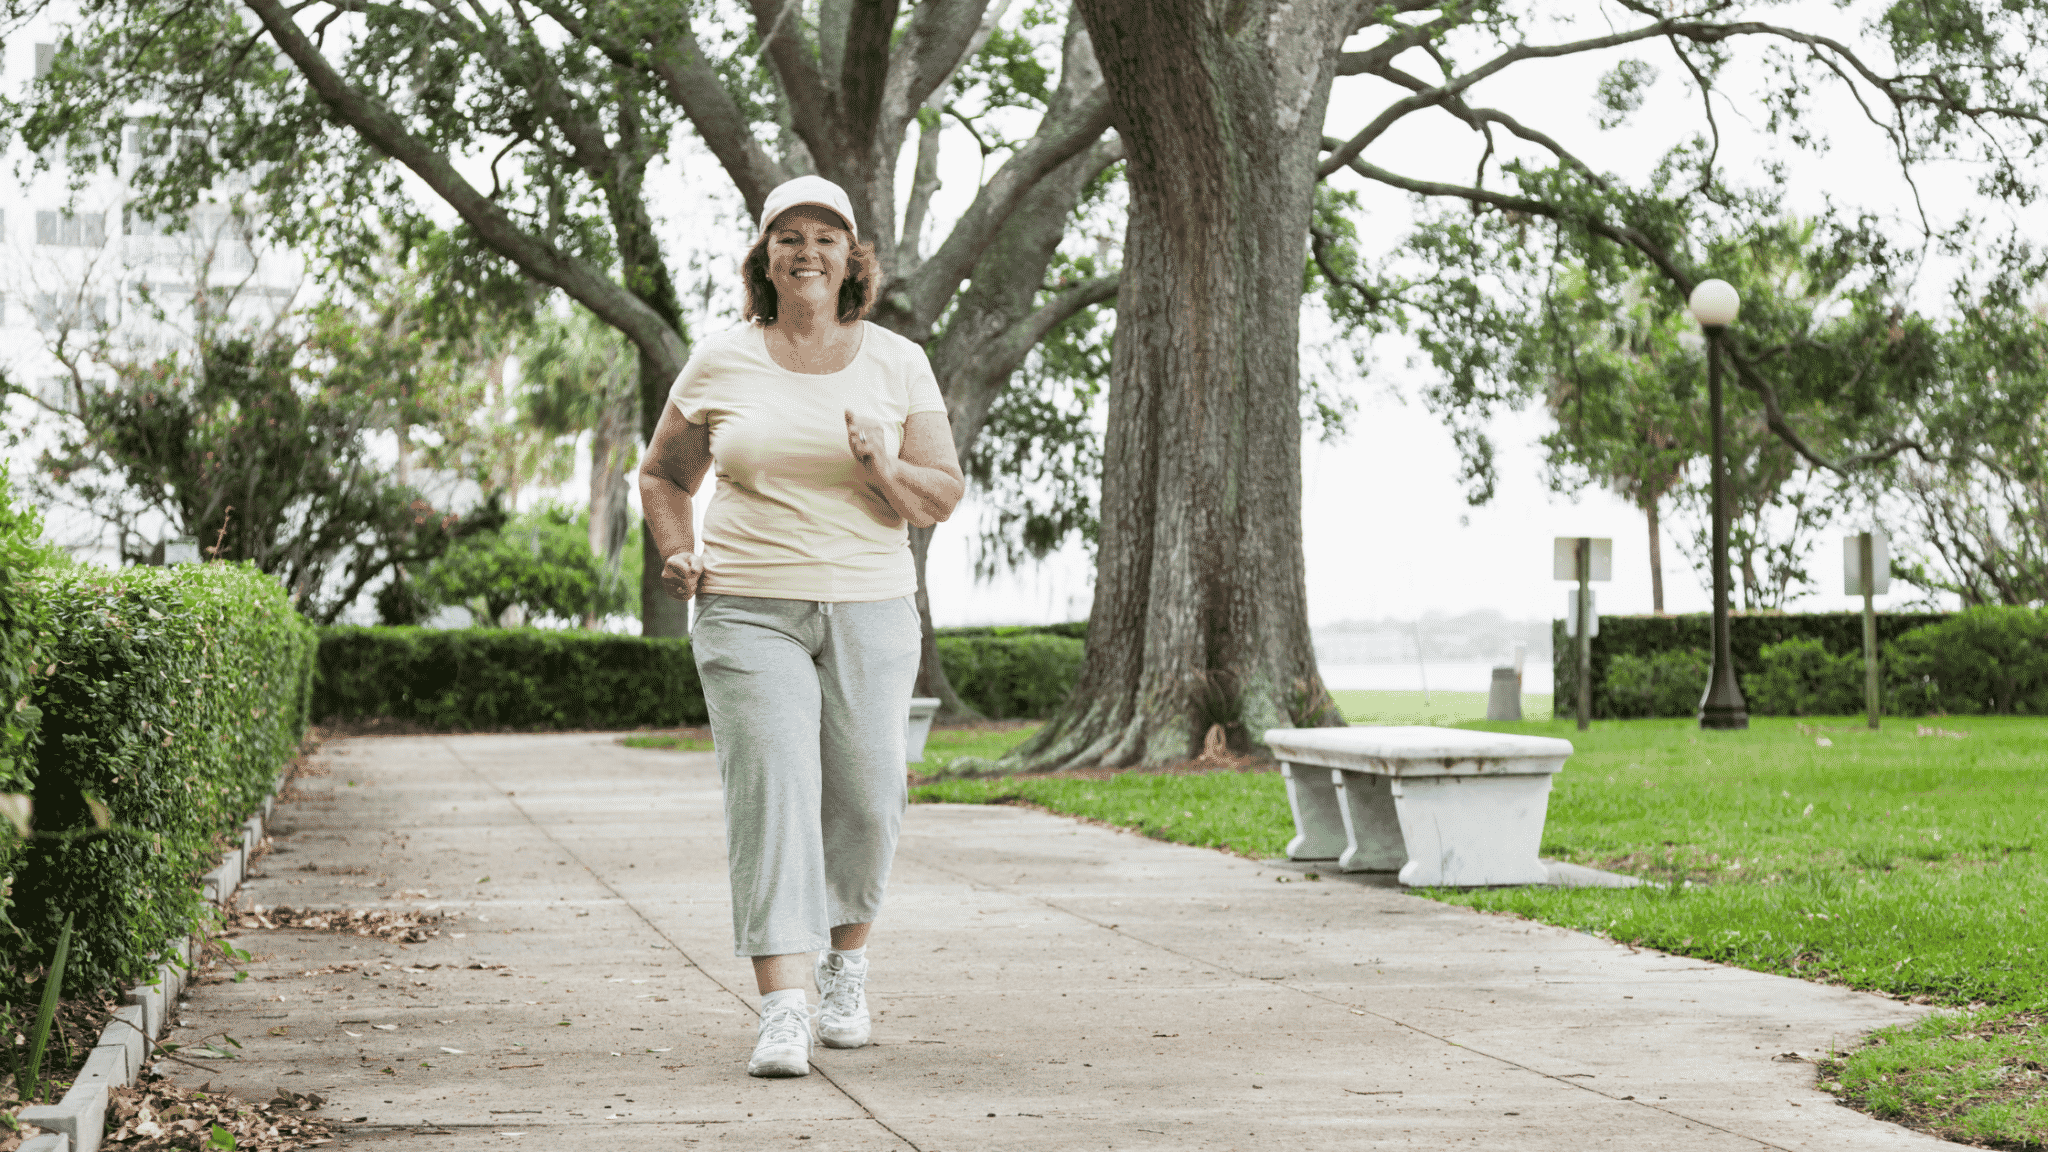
(922, 482)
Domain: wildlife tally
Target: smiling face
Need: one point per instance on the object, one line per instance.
(807, 249)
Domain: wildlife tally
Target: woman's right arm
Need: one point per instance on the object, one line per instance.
(670, 474)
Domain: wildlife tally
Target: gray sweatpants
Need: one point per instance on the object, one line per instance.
(807, 705)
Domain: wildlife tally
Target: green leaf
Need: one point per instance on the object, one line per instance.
(220, 1138)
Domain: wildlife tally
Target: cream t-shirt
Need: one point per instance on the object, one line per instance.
(792, 518)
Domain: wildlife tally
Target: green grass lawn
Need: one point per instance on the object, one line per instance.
(668, 742)
(1906, 861)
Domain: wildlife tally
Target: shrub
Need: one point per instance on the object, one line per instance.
(531, 679)
(1748, 633)
(541, 562)
(24, 619)
(1071, 629)
(178, 696)
(1800, 677)
(1661, 684)
(1990, 658)
(522, 678)
(1007, 677)
(24, 623)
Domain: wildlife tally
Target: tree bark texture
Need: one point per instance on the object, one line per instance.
(1200, 617)
(1656, 556)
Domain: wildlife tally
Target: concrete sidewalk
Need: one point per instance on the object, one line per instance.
(1038, 984)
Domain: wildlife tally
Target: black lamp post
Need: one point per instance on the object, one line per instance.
(1714, 304)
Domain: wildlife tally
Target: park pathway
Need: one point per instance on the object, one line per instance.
(1038, 984)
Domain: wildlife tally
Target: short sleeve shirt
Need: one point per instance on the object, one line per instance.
(792, 517)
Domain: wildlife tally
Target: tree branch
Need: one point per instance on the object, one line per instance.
(1479, 117)
(383, 130)
(862, 84)
(809, 106)
(1412, 36)
(1437, 95)
(1682, 281)
(1078, 116)
(677, 61)
(923, 183)
(942, 35)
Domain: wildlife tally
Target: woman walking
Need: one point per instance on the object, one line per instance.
(829, 436)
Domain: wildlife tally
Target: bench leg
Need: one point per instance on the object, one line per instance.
(1318, 829)
(1372, 831)
(1472, 831)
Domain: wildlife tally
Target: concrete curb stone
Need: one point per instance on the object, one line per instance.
(78, 1122)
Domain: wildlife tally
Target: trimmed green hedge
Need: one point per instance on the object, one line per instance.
(1072, 630)
(24, 642)
(521, 678)
(1008, 677)
(1645, 636)
(1988, 659)
(178, 696)
(540, 679)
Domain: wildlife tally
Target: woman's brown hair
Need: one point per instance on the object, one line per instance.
(856, 292)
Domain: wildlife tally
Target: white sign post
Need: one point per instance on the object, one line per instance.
(1867, 570)
(1584, 559)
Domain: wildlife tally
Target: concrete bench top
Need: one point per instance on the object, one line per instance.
(1418, 751)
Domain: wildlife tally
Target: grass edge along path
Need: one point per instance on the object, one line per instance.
(1901, 862)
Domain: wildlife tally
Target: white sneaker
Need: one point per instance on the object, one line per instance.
(782, 1046)
(842, 1001)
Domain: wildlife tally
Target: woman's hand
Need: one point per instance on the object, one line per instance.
(922, 483)
(868, 442)
(680, 575)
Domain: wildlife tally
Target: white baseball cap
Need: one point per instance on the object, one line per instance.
(815, 190)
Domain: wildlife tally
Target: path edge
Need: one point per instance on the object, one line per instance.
(78, 1122)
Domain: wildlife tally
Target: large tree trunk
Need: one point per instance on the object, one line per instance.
(1200, 617)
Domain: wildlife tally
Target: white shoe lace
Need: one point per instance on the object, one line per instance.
(781, 1026)
(841, 996)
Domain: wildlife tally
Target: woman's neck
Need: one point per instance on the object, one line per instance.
(800, 321)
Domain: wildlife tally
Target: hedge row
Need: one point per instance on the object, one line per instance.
(521, 678)
(1011, 676)
(1987, 659)
(535, 679)
(1072, 630)
(173, 696)
(1649, 636)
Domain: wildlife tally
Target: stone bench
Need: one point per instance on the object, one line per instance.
(1442, 806)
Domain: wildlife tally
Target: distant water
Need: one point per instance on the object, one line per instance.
(1446, 677)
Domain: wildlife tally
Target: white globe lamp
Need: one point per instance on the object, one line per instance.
(1714, 303)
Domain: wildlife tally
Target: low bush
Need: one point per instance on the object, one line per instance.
(1015, 676)
(1800, 677)
(1748, 634)
(1988, 659)
(173, 696)
(24, 624)
(1071, 629)
(538, 679)
(519, 678)
(1668, 683)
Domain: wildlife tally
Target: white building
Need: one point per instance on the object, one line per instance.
(87, 283)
